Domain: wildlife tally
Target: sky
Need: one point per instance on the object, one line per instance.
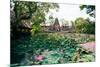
(69, 12)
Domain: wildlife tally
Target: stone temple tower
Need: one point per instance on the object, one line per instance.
(56, 25)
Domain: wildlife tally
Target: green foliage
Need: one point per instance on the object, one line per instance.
(52, 57)
(84, 26)
(55, 49)
(36, 28)
(85, 39)
(33, 12)
(90, 9)
(88, 58)
(40, 43)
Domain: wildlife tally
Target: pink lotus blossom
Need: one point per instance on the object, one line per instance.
(39, 57)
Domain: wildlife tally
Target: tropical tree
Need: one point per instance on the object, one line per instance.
(84, 26)
(90, 9)
(32, 11)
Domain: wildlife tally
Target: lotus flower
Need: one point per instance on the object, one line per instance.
(90, 46)
(39, 57)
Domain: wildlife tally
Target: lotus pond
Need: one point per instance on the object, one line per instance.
(51, 48)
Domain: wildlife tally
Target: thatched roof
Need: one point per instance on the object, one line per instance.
(25, 24)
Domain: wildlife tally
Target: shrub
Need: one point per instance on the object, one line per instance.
(84, 26)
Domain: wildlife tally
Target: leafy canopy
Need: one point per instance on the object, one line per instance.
(90, 9)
